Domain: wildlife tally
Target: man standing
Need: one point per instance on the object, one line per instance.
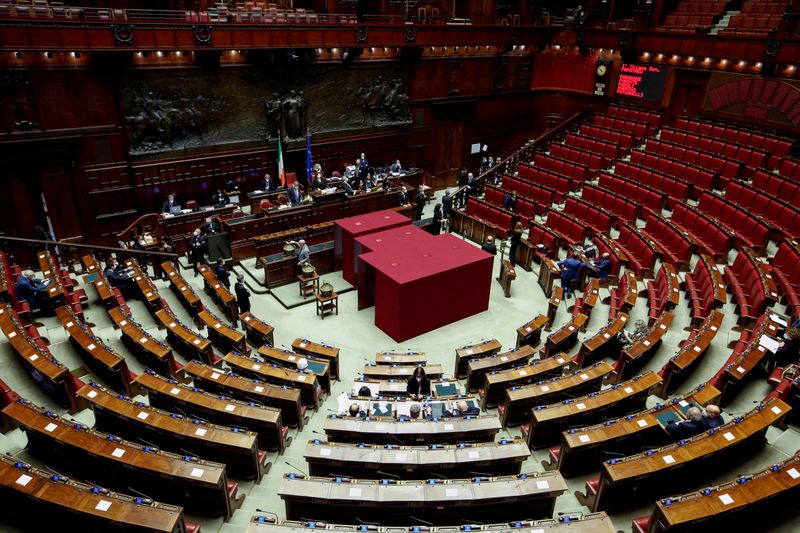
(302, 252)
(210, 227)
(447, 205)
(570, 270)
(220, 199)
(197, 247)
(222, 274)
(266, 183)
(420, 200)
(242, 294)
(402, 196)
(295, 195)
(472, 185)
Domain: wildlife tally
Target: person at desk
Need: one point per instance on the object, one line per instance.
(418, 385)
(345, 184)
(696, 422)
(31, 289)
(265, 184)
(210, 227)
(242, 294)
(713, 416)
(355, 411)
(589, 249)
(570, 271)
(462, 409)
(510, 201)
(365, 391)
(197, 249)
(420, 202)
(118, 277)
(169, 204)
(395, 168)
(302, 252)
(220, 199)
(414, 413)
(489, 246)
(317, 182)
(295, 194)
(601, 268)
(222, 274)
(402, 196)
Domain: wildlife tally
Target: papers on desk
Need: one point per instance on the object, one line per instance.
(778, 319)
(769, 343)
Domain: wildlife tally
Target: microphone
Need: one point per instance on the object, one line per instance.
(617, 454)
(292, 466)
(401, 443)
(267, 512)
(139, 493)
(421, 521)
(484, 474)
(438, 475)
(366, 523)
(387, 474)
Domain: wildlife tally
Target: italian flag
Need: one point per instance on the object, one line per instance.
(281, 173)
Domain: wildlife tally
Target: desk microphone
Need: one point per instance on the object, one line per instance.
(387, 474)
(148, 499)
(366, 523)
(421, 521)
(401, 443)
(483, 474)
(267, 512)
(292, 466)
(617, 454)
(438, 475)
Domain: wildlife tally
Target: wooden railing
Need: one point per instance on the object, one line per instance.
(144, 224)
(526, 153)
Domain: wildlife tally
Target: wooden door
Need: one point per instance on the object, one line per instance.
(448, 151)
(21, 204)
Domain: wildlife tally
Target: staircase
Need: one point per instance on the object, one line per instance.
(723, 22)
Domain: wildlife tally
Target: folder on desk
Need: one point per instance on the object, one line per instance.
(668, 416)
(315, 366)
(445, 389)
(684, 406)
(381, 409)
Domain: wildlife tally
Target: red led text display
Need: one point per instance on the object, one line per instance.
(641, 81)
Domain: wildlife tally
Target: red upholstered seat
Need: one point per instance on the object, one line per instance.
(641, 524)
(233, 488)
(555, 454)
(592, 485)
(192, 527)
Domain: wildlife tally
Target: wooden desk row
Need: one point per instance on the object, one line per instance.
(604, 343)
(548, 273)
(374, 461)
(119, 415)
(740, 503)
(44, 368)
(530, 334)
(582, 449)
(75, 449)
(387, 502)
(50, 272)
(478, 368)
(690, 353)
(433, 408)
(738, 370)
(576, 523)
(395, 387)
(288, 360)
(259, 333)
(223, 336)
(184, 339)
(213, 379)
(625, 481)
(147, 290)
(565, 337)
(265, 421)
(411, 357)
(496, 383)
(465, 354)
(305, 382)
(636, 355)
(556, 297)
(548, 421)
(101, 358)
(420, 431)
(220, 294)
(34, 495)
(186, 295)
(519, 400)
(153, 353)
(178, 228)
(320, 350)
(373, 371)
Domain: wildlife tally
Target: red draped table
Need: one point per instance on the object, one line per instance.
(419, 282)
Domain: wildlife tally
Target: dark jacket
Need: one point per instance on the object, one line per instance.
(223, 275)
(242, 297)
(418, 387)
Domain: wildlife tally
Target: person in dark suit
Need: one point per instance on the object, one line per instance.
(516, 240)
(437, 219)
(396, 168)
(462, 409)
(169, 204)
(402, 196)
(364, 162)
(220, 199)
(197, 249)
(365, 391)
(414, 413)
(265, 183)
(693, 425)
(355, 411)
(418, 385)
(489, 246)
(712, 416)
(242, 294)
(510, 201)
(31, 289)
(472, 185)
(295, 194)
(317, 182)
(210, 227)
(420, 202)
(601, 268)
(570, 270)
(345, 184)
(447, 204)
(222, 273)
(118, 277)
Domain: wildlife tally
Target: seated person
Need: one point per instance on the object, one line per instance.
(463, 409)
(510, 201)
(355, 411)
(600, 268)
(365, 391)
(640, 331)
(220, 199)
(712, 416)
(418, 385)
(693, 425)
(118, 277)
(265, 184)
(414, 413)
(590, 249)
(489, 246)
(395, 168)
(345, 184)
(317, 182)
(31, 289)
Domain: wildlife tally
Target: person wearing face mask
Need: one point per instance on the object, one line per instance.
(418, 385)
